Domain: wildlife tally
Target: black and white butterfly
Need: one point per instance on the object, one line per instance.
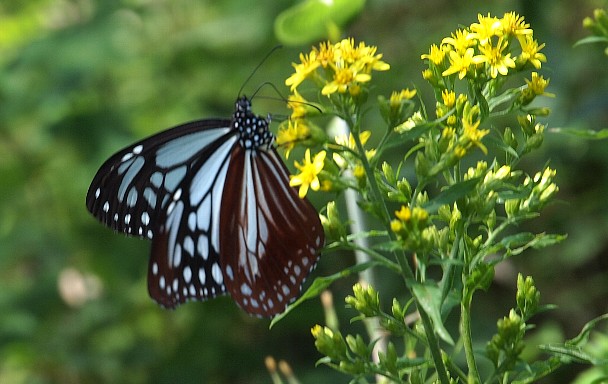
(214, 198)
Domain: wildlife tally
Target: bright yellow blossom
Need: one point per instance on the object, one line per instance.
(459, 40)
(493, 56)
(309, 173)
(398, 96)
(308, 64)
(362, 55)
(487, 28)
(461, 63)
(325, 53)
(349, 142)
(288, 135)
(473, 134)
(436, 54)
(538, 85)
(449, 98)
(514, 24)
(404, 214)
(343, 78)
(297, 104)
(530, 51)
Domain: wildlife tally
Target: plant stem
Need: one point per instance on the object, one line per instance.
(465, 332)
(442, 372)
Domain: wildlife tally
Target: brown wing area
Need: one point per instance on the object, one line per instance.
(269, 237)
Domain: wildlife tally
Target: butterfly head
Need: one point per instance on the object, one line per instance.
(253, 129)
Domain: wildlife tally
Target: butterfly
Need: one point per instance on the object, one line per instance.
(214, 197)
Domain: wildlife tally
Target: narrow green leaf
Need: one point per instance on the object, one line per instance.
(320, 284)
(545, 240)
(583, 336)
(589, 134)
(429, 298)
(451, 194)
(569, 353)
(591, 39)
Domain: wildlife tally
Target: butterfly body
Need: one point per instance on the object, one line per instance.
(214, 198)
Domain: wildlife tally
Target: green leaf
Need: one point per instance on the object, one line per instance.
(451, 194)
(429, 298)
(583, 336)
(589, 134)
(591, 39)
(544, 240)
(313, 20)
(570, 353)
(536, 370)
(320, 284)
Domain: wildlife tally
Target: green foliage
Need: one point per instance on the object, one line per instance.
(460, 208)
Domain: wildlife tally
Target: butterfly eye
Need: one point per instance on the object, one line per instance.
(214, 197)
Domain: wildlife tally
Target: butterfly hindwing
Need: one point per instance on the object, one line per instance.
(269, 236)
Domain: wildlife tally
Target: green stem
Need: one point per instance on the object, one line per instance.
(433, 343)
(465, 332)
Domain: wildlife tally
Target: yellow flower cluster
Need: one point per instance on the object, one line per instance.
(486, 48)
(339, 67)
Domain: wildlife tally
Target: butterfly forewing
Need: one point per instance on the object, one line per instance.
(134, 186)
(185, 263)
(268, 235)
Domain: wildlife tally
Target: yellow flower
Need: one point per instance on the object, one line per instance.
(473, 134)
(460, 63)
(486, 28)
(325, 53)
(288, 135)
(530, 51)
(396, 226)
(459, 40)
(349, 142)
(308, 64)
(538, 85)
(361, 55)
(298, 104)
(343, 78)
(493, 56)
(309, 173)
(436, 54)
(449, 98)
(513, 24)
(404, 214)
(398, 96)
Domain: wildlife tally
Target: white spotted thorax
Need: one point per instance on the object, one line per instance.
(253, 130)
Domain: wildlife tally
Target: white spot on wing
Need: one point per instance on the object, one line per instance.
(187, 274)
(216, 272)
(189, 245)
(145, 218)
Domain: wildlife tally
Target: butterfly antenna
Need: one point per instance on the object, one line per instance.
(281, 97)
(258, 67)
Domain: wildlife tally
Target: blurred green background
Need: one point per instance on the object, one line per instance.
(79, 79)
